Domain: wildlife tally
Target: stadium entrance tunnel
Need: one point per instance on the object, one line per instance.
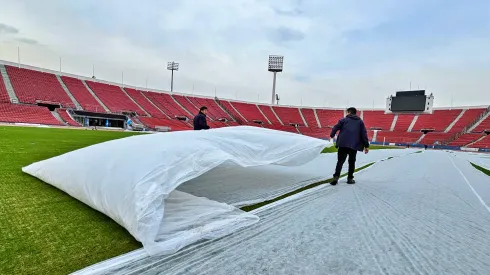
(159, 198)
(99, 119)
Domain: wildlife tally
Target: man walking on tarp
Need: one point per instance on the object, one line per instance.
(352, 138)
(200, 122)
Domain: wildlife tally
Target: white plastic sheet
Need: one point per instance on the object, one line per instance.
(261, 183)
(132, 180)
(481, 159)
(418, 214)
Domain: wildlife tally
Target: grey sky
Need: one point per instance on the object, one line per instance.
(337, 53)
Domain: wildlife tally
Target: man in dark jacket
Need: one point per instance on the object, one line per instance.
(352, 138)
(200, 122)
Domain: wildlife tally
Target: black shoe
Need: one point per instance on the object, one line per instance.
(351, 181)
(335, 181)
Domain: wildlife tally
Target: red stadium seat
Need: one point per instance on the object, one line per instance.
(438, 121)
(249, 111)
(113, 97)
(4, 96)
(328, 118)
(403, 122)
(309, 115)
(18, 113)
(31, 86)
(66, 117)
(483, 143)
(378, 120)
(468, 117)
(267, 111)
(484, 125)
(82, 95)
(167, 104)
(289, 115)
(138, 96)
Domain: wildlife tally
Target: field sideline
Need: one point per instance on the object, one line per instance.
(45, 231)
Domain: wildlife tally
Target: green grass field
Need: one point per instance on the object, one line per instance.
(43, 230)
(481, 169)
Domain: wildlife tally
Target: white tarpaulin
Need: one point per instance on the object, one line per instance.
(417, 214)
(132, 180)
(263, 183)
(480, 159)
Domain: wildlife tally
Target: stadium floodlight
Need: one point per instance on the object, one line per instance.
(172, 66)
(275, 65)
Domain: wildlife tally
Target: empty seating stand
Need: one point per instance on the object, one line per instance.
(267, 110)
(403, 122)
(286, 128)
(468, 117)
(173, 124)
(167, 104)
(215, 112)
(249, 111)
(438, 121)
(433, 137)
(4, 96)
(82, 95)
(32, 86)
(19, 113)
(66, 117)
(309, 115)
(483, 143)
(398, 137)
(378, 120)
(328, 117)
(231, 110)
(289, 115)
(114, 98)
(484, 125)
(191, 109)
(465, 139)
(316, 132)
(137, 96)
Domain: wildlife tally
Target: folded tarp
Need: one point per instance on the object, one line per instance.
(132, 180)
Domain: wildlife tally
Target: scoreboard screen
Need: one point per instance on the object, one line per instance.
(408, 103)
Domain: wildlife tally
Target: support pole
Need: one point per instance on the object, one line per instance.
(274, 89)
(172, 82)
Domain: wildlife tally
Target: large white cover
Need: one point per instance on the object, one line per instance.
(416, 214)
(131, 180)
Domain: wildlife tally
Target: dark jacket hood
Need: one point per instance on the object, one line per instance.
(353, 117)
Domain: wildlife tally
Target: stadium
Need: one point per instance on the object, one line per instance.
(49, 110)
(42, 97)
(101, 177)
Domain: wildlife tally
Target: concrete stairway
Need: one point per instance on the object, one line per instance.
(96, 97)
(8, 85)
(77, 105)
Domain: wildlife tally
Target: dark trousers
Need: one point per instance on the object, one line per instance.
(341, 157)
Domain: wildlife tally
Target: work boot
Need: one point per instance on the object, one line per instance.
(334, 181)
(351, 181)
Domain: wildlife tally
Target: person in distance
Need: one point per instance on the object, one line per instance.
(352, 138)
(200, 122)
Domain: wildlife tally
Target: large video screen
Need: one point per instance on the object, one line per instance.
(408, 104)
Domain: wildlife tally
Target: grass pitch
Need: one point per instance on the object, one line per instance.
(42, 229)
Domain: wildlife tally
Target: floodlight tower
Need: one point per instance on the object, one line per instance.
(275, 66)
(172, 66)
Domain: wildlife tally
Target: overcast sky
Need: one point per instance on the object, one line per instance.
(337, 53)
